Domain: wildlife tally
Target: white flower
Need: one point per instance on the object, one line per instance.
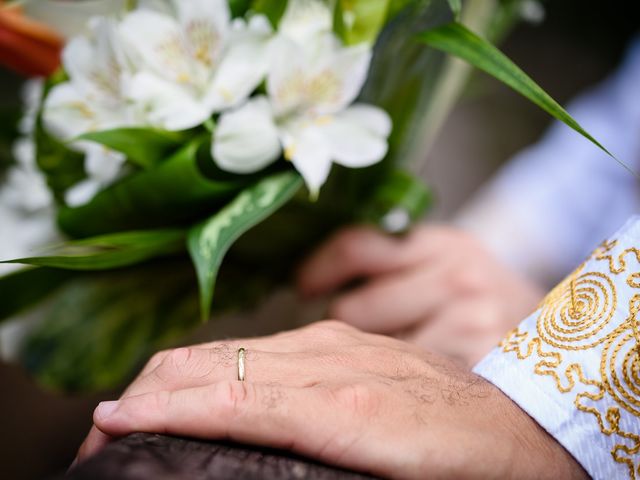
(32, 92)
(26, 204)
(103, 167)
(94, 99)
(195, 61)
(25, 189)
(308, 113)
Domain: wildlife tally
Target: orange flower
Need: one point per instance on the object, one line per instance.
(26, 46)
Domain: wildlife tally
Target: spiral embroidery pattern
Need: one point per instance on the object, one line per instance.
(586, 316)
(574, 319)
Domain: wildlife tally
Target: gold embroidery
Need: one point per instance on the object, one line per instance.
(578, 312)
(577, 315)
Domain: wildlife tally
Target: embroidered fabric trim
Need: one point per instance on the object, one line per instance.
(584, 339)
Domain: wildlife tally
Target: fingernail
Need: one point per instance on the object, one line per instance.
(105, 409)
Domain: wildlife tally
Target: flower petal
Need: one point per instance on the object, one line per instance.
(102, 164)
(166, 104)
(205, 24)
(374, 119)
(338, 76)
(67, 113)
(82, 193)
(244, 65)
(286, 82)
(246, 140)
(304, 19)
(95, 63)
(156, 40)
(306, 146)
(357, 137)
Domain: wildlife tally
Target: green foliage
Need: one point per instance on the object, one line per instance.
(174, 193)
(144, 147)
(97, 329)
(399, 192)
(111, 251)
(357, 21)
(9, 118)
(62, 166)
(273, 9)
(459, 41)
(456, 7)
(22, 289)
(239, 7)
(209, 242)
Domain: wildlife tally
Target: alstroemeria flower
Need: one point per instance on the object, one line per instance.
(309, 112)
(93, 99)
(195, 60)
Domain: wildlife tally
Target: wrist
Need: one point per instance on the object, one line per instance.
(537, 454)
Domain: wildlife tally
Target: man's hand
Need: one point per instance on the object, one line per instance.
(437, 288)
(352, 399)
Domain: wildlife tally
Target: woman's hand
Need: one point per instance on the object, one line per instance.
(437, 288)
(333, 393)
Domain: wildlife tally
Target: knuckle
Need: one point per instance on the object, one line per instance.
(347, 246)
(233, 397)
(180, 363)
(155, 361)
(331, 328)
(357, 398)
(468, 281)
(160, 401)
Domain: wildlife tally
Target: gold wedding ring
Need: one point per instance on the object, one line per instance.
(241, 356)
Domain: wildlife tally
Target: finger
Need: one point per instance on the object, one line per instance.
(95, 441)
(269, 359)
(202, 359)
(355, 253)
(194, 367)
(397, 301)
(466, 330)
(266, 415)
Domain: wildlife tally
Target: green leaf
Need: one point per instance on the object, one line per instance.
(398, 202)
(456, 7)
(97, 330)
(25, 288)
(357, 21)
(174, 193)
(62, 166)
(209, 242)
(459, 41)
(144, 147)
(239, 7)
(397, 6)
(273, 9)
(112, 251)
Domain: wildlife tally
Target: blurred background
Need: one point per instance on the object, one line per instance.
(576, 45)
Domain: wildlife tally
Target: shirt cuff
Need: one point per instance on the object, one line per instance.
(574, 365)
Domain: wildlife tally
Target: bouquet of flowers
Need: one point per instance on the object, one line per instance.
(179, 133)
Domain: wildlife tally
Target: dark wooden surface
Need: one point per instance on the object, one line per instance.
(158, 457)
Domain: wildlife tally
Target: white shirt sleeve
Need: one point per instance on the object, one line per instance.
(552, 202)
(574, 365)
